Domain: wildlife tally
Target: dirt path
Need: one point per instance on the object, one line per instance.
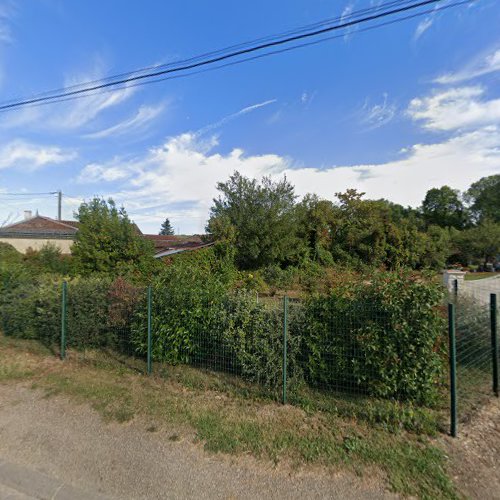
(475, 454)
(72, 443)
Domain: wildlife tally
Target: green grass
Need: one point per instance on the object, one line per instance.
(479, 276)
(231, 417)
(14, 372)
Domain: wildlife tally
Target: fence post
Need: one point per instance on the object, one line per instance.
(494, 340)
(455, 288)
(285, 332)
(149, 330)
(63, 319)
(453, 369)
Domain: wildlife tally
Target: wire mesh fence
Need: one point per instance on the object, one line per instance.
(476, 310)
(99, 320)
(331, 351)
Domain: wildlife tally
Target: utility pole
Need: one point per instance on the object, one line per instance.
(59, 204)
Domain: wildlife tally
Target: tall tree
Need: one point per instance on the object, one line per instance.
(484, 197)
(443, 207)
(262, 217)
(315, 218)
(365, 232)
(107, 241)
(480, 244)
(166, 228)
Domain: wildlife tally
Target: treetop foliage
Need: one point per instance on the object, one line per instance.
(108, 242)
(265, 225)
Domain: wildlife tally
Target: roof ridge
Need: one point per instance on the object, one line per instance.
(3, 228)
(55, 220)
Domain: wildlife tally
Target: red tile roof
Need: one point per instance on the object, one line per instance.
(162, 242)
(39, 226)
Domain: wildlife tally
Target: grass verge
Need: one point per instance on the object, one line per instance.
(229, 418)
(479, 276)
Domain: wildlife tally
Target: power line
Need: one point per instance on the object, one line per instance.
(258, 56)
(302, 29)
(218, 58)
(2, 194)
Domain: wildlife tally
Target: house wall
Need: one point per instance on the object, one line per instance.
(22, 244)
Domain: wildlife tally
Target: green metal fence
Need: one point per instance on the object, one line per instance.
(291, 349)
(474, 361)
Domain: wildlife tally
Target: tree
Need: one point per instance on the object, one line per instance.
(484, 197)
(479, 244)
(443, 207)
(262, 218)
(436, 247)
(108, 242)
(365, 232)
(166, 228)
(315, 218)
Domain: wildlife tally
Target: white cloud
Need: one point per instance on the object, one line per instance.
(74, 113)
(457, 162)
(345, 17)
(346, 12)
(422, 27)
(379, 114)
(455, 109)
(115, 170)
(184, 173)
(482, 65)
(228, 118)
(81, 111)
(28, 156)
(5, 36)
(144, 115)
(7, 11)
(307, 98)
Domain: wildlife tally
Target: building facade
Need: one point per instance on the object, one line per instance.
(35, 232)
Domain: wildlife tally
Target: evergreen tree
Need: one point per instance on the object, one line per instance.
(166, 228)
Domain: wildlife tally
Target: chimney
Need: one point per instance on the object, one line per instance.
(27, 214)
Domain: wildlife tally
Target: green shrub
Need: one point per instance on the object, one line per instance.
(87, 312)
(9, 255)
(381, 337)
(186, 297)
(100, 313)
(31, 308)
(48, 259)
(253, 335)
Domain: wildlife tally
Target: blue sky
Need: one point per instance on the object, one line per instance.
(391, 112)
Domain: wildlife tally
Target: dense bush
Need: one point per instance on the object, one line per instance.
(381, 337)
(31, 308)
(49, 259)
(253, 335)
(378, 336)
(87, 308)
(9, 255)
(100, 312)
(186, 300)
